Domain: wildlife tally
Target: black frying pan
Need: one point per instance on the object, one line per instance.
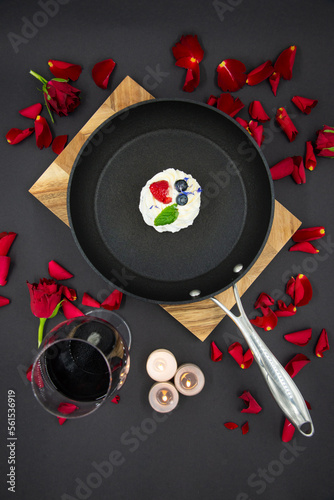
(123, 154)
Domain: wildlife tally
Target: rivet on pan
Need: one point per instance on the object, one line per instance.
(195, 293)
(238, 268)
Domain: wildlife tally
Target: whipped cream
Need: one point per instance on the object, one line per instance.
(150, 208)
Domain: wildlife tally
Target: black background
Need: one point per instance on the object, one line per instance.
(190, 454)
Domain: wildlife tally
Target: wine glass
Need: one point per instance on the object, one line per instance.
(81, 362)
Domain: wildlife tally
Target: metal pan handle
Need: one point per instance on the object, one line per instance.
(281, 385)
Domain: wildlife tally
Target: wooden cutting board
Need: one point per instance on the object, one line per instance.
(200, 318)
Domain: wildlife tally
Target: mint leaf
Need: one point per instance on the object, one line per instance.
(167, 216)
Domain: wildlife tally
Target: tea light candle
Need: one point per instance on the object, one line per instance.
(161, 365)
(189, 380)
(163, 397)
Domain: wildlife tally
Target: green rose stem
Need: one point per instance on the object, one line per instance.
(44, 90)
(41, 330)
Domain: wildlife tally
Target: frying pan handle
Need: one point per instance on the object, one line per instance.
(281, 385)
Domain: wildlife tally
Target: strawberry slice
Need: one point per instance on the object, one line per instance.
(160, 191)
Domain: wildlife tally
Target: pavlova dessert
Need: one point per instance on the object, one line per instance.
(170, 201)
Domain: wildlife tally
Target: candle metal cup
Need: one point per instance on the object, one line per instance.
(189, 379)
(163, 397)
(161, 365)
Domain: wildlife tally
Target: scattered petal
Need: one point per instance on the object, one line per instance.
(256, 132)
(188, 46)
(322, 344)
(268, 321)
(257, 112)
(231, 425)
(231, 75)
(296, 364)
(58, 143)
(228, 105)
(61, 69)
(113, 301)
(298, 173)
(282, 169)
(304, 104)
(212, 101)
(308, 405)
(102, 71)
(302, 337)
(303, 291)
(260, 73)
(285, 62)
(310, 159)
(274, 81)
(70, 310)
(286, 124)
(303, 246)
(290, 287)
(288, 431)
(309, 234)
(58, 272)
(284, 310)
(6, 241)
(264, 301)
(237, 353)
(69, 293)
(32, 111)
(4, 268)
(28, 373)
(245, 428)
(116, 399)
(4, 301)
(192, 78)
(325, 142)
(16, 135)
(42, 132)
(66, 409)
(216, 353)
(243, 123)
(87, 300)
(253, 406)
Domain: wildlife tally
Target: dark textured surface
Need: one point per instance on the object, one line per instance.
(126, 452)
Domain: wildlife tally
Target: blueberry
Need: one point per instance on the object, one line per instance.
(181, 185)
(182, 199)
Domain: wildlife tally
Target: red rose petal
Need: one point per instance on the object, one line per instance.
(188, 46)
(32, 111)
(66, 409)
(87, 300)
(43, 132)
(302, 337)
(58, 143)
(309, 234)
(69, 293)
(298, 173)
(244, 360)
(70, 310)
(286, 124)
(6, 241)
(231, 425)
(322, 344)
(58, 272)
(253, 406)
(290, 287)
(28, 373)
(216, 354)
(243, 123)
(16, 135)
(268, 321)
(285, 62)
(102, 71)
(282, 169)
(325, 142)
(264, 300)
(304, 104)
(61, 69)
(228, 105)
(260, 73)
(303, 291)
(192, 79)
(256, 131)
(113, 301)
(4, 268)
(116, 399)
(4, 301)
(231, 75)
(257, 112)
(245, 428)
(310, 159)
(274, 81)
(303, 246)
(212, 101)
(288, 431)
(284, 310)
(296, 364)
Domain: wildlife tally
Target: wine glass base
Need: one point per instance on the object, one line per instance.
(116, 321)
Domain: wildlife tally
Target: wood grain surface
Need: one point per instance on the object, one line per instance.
(200, 318)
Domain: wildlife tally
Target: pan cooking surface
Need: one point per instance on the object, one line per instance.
(236, 202)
